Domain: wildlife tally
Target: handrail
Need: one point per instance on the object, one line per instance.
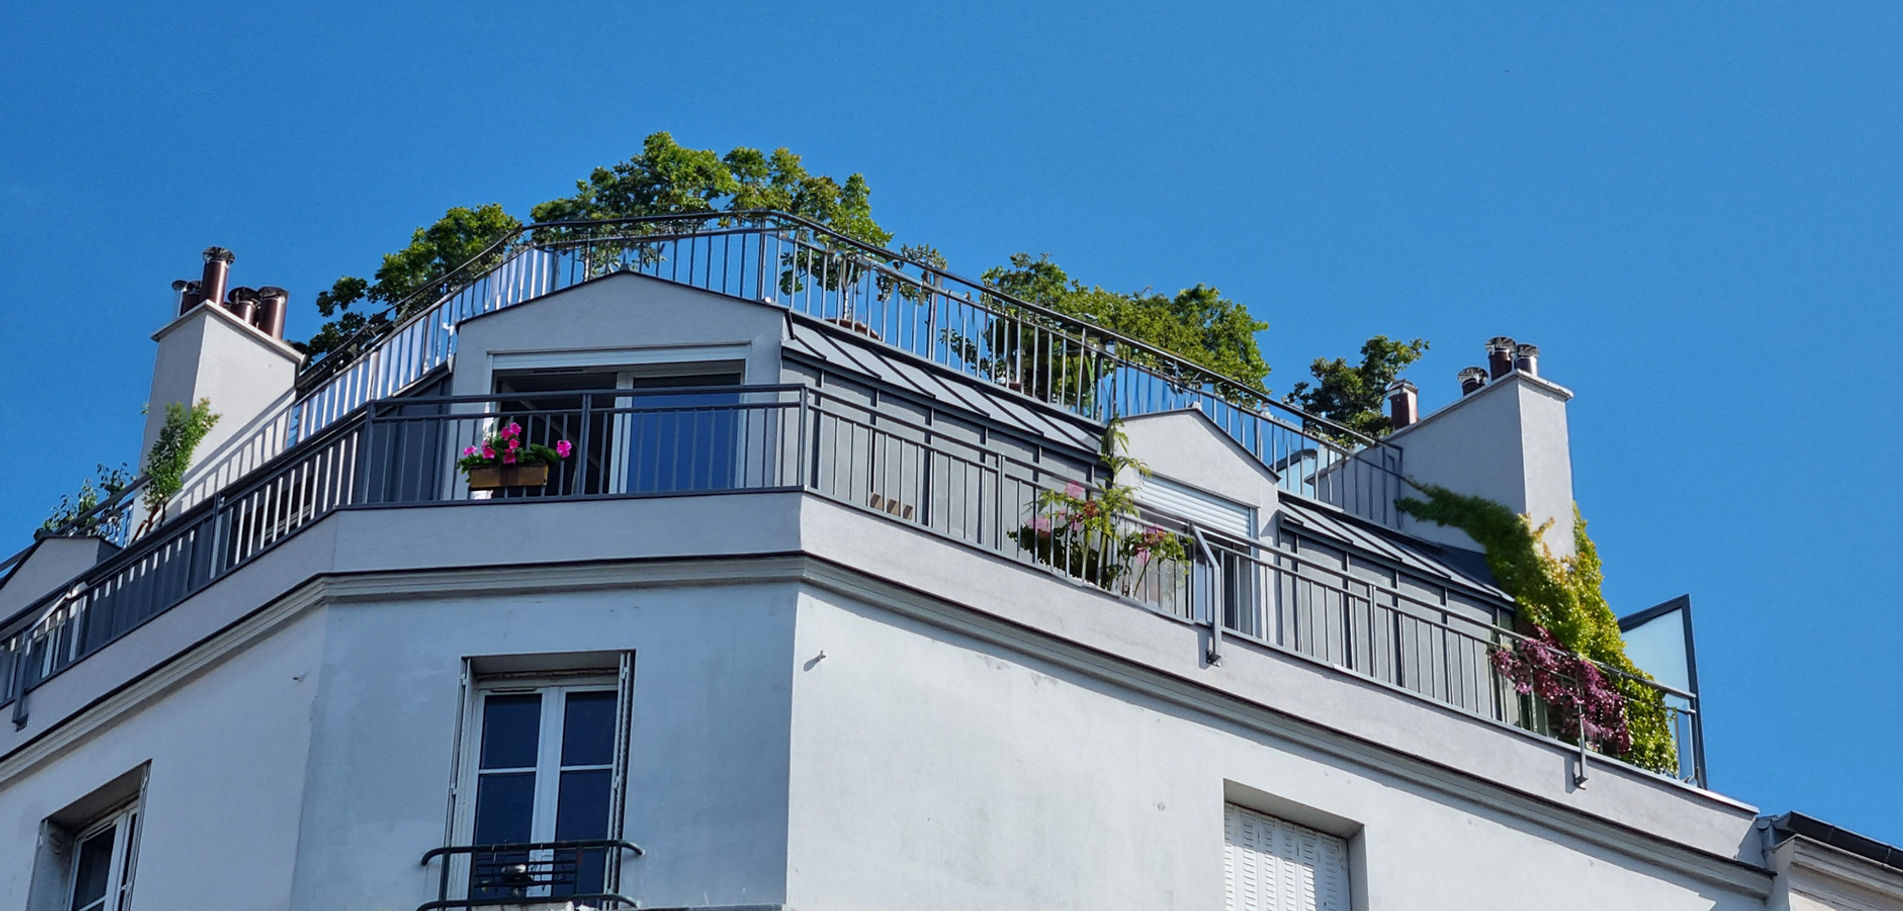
(782, 437)
(528, 872)
(330, 363)
(616, 843)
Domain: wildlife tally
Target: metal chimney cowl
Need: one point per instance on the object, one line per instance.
(1500, 354)
(1526, 359)
(1471, 379)
(218, 262)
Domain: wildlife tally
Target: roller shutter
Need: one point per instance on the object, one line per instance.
(1211, 512)
(1275, 865)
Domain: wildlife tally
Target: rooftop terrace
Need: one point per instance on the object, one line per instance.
(358, 435)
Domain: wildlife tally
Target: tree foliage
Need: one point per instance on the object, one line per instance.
(1197, 324)
(72, 515)
(434, 252)
(171, 455)
(1353, 395)
(1560, 597)
(667, 178)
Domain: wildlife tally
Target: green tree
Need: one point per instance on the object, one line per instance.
(1197, 324)
(1353, 395)
(433, 253)
(667, 178)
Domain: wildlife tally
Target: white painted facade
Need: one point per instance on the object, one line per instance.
(832, 704)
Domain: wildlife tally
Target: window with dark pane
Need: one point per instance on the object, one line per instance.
(544, 774)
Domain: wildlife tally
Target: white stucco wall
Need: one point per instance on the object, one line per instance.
(208, 353)
(933, 772)
(1507, 442)
(226, 782)
(596, 323)
(707, 757)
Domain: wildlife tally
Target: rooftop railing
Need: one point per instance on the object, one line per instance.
(718, 440)
(790, 262)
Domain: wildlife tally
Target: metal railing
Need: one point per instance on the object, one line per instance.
(713, 440)
(542, 873)
(798, 264)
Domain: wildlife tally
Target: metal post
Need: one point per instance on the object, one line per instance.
(581, 464)
(1214, 655)
(1579, 685)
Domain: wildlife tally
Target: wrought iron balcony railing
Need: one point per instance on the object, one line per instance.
(719, 440)
(549, 874)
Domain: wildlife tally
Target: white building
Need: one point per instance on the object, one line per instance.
(772, 622)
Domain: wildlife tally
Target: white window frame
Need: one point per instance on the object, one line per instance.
(123, 860)
(553, 685)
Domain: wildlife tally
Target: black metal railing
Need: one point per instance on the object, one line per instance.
(548, 872)
(715, 440)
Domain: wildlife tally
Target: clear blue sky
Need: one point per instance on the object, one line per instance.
(1694, 209)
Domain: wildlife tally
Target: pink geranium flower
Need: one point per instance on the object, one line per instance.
(488, 451)
(563, 448)
(1074, 490)
(470, 451)
(512, 429)
(1042, 525)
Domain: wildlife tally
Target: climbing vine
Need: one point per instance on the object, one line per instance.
(1560, 599)
(172, 452)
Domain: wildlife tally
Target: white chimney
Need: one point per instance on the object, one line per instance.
(1506, 441)
(209, 353)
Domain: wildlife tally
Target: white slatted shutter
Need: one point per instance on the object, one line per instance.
(1209, 511)
(1275, 865)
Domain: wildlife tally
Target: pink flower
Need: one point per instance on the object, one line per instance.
(514, 444)
(509, 459)
(1074, 490)
(563, 448)
(1041, 525)
(470, 451)
(512, 429)
(488, 451)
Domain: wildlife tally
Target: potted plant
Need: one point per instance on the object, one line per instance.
(502, 459)
(1099, 536)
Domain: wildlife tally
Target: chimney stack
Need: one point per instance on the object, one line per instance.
(225, 351)
(243, 304)
(1471, 379)
(272, 302)
(188, 296)
(1500, 353)
(261, 308)
(1404, 404)
(218, 262)
(1526, 359)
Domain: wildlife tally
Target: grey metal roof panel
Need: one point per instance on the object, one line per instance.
(1423, 558)
(835, 345)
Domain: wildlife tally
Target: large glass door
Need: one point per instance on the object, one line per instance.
(682, 432)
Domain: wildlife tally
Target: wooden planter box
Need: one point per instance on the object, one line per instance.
(498, 477)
